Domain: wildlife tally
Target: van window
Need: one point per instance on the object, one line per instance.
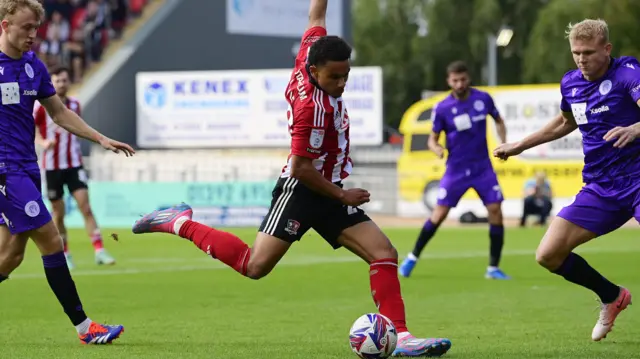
(419, 143)
(425, 116)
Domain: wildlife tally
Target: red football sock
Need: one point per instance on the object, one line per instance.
(223, 246)
(385, 289)
(96, 240)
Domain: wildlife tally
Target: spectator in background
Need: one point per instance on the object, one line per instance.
(57, 35)
(537, 199)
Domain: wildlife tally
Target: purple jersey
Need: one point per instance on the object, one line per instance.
(598, 106)
(22, 82)
(465, 125)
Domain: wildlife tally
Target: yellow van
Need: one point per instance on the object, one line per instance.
(419, 170)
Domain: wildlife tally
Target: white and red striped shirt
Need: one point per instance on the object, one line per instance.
(66, 153)
(318, 123)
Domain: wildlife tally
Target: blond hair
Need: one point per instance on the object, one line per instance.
(10, 7)
(588, 29)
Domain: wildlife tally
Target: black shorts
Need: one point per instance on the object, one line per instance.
(74, 178)
(295, 209)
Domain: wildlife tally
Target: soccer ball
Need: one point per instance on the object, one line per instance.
(373, 336)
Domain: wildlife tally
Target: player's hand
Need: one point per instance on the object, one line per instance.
(624, 135)
(355, 197)
(48, 144)
(506, 150)
(439, 151)
(116, 147)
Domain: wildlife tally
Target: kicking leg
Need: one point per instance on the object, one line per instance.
(368, 242)
(496, 237)
(438, 216)
(81, 195)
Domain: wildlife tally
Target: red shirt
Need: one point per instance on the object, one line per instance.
(318, 123)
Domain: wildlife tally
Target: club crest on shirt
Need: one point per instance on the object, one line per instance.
(478, 105)
(605, 87)
(316, 138)
(29, 70)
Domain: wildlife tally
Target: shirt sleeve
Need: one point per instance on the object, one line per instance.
(46, 88)
(491, 108)
(307, 134)
(564, 104)
(308, 38)
(437, 120)
(632, 83)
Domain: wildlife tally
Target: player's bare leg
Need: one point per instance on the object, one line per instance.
(101, 255)
(368, 242)
(252, 262)
(48, 241)
(555, 254)
(57, 214)
(438, 216)
(496, 237)
(12, 250)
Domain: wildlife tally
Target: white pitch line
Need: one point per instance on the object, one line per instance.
(210, 264)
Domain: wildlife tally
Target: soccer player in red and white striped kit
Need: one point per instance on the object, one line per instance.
(309, 193)
(62, 162)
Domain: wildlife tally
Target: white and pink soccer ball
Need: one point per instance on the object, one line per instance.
(373, 336)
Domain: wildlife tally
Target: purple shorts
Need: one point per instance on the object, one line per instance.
(604, 207)
(21, 204)
(456, 182)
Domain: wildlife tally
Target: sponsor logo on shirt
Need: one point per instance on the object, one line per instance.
(601, 109)
(30, 93)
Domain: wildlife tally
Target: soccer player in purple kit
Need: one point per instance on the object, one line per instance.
(462, 116)
(23, 80)
(601, 99)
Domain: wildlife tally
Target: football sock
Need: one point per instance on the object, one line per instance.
(496, 234)
(428, 230)
(576, 270)
(62, 285)
(65, 244)
(96, 240)
(3, 278)
(385, 289)
(223, 246)
(83, 328)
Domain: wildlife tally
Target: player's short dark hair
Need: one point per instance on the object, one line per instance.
(58, 70)
(328, 48)
(457, 67)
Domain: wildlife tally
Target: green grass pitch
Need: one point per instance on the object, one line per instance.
(175, 302)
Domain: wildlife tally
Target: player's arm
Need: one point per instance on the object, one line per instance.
(501, 128)
(433, 144)
(561, 125)
(318, 13)
(437, 126)
(71, 122)
(303, 170)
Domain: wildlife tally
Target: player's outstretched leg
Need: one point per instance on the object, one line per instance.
(428, 230)
(368, 242)
(223, 246)
(496, 238)
(555, 254)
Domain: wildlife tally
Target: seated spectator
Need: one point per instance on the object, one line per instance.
(51, 48)
(76, 32)
(537, 199)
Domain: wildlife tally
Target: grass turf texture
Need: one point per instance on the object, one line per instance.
(175, 302)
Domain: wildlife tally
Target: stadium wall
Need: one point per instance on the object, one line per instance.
(192, 36)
